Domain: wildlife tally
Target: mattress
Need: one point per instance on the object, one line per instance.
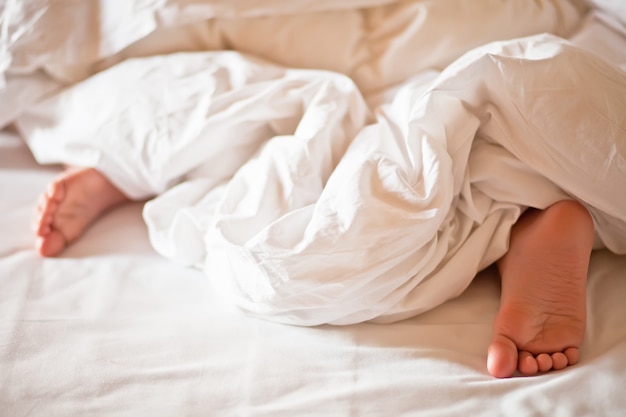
(111, 327)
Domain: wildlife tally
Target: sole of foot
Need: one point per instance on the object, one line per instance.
(541, 321)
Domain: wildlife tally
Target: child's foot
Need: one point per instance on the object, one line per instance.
(71, 203)
(542, 315)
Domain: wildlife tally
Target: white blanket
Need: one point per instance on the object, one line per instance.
(377, 43)
(303, 213)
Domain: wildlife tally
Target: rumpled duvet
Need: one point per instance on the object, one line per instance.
(306, 204)
(45, 44)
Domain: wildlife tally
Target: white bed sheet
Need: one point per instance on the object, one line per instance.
(111, 328)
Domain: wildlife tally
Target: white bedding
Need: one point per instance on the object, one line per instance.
(305, 202)
(113, 329)
(364, 39)
(283, 183)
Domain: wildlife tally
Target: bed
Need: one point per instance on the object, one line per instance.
(132, 319)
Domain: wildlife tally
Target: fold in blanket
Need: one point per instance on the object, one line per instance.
(304, 209)
(378, 43)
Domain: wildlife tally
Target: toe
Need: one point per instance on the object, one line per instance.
(43, 226)
(559, 361)
(502, 357)
(46, 209)
(527, 363)
(56, 190)
(572, 356)
(52, 244)
(544, 362)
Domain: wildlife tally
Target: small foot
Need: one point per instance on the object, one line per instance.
(71, 203)
(541, 321)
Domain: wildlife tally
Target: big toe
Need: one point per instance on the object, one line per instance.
(52, 244)
(502, 357)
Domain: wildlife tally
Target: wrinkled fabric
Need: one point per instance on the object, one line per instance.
(378, 43)
(361, 33)
(304, 209)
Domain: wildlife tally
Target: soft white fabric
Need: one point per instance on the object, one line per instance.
(612, 11)
(113, 329)
(602, 39)
(374, 30)
(376, 42)
(279, 213)
(301, 205)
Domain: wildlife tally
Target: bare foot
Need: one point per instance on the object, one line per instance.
(541, 321)
(71, 203)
